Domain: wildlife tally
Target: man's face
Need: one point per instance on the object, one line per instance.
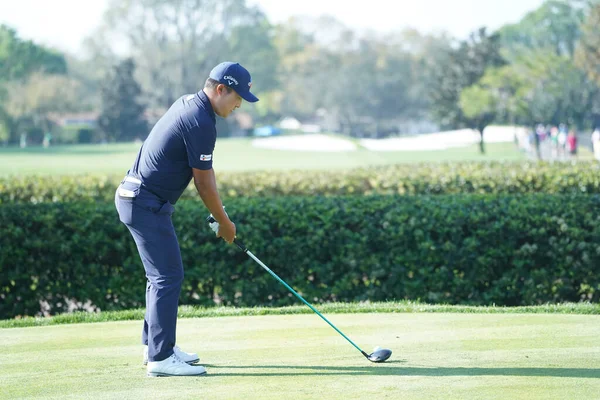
(226, 102)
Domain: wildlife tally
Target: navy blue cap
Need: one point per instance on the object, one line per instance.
(236, 77)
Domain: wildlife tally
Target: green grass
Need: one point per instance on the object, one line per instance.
(230, 155)
(329, 308)
(435, 356)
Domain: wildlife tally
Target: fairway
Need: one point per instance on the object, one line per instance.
(436, 356)
(230, 155)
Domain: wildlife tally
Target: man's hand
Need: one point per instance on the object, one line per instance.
(227, 231)
(207, 189)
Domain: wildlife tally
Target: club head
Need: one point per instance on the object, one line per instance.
(379, 356)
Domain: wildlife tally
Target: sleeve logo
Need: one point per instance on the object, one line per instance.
(205, 157)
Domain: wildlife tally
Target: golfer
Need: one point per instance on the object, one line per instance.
(179, 147)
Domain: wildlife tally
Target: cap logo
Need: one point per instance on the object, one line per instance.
(249, 84)
(230, 80)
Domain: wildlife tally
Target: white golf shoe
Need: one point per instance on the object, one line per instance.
(189, 358)
(173, 366)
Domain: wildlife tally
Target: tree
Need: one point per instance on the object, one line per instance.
(89, 76)
(588, 50)
(366, 84)
(174, 43)
(588, 55)
(122, 116)
(253, 47)
(426, 52)
(31, 101)
(480, 106)
(369, 88)
(5, 126)
(500, 92)
(304, 66)
(543, 47)
(537, 88)
(555, 26)
(20, 58)
(456, 70)
(556, 90)
(41, 94)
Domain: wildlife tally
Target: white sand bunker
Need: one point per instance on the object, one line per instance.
(442, 140)
(311, 142)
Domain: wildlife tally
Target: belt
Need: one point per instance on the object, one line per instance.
(132, 180)
(129, 193)
(139, 182)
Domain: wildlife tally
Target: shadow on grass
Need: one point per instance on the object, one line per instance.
(387, 369)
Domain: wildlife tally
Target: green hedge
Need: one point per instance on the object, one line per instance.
(469, 249)
(409, 179)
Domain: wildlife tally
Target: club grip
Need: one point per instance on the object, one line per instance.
(240, 245)
(210, 219)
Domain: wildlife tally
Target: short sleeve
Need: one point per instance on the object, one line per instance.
(200, 145)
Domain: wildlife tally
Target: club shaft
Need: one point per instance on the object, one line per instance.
(300, 297)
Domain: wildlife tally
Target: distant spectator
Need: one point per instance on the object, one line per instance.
(596, 143)
(47, 139)
(540, 131)
(562, 141)
(537, 138)
(572, 142)
(554, 141)
(529, 141)
(562, 128)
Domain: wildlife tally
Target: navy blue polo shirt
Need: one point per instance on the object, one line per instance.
(183, 138)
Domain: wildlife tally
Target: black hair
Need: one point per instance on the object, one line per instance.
(212, 84)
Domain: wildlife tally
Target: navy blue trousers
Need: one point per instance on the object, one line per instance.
(148, 219)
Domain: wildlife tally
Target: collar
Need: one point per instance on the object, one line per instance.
(205, 102)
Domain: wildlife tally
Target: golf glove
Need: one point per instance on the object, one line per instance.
(214, 225)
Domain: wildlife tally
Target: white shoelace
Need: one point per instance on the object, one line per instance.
(176, 358)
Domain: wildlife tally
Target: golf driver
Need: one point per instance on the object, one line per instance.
(377, 356)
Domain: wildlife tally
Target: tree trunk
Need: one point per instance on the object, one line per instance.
(481, 144)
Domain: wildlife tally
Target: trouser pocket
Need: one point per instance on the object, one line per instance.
(125, 196)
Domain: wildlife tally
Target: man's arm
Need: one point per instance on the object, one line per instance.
(206, 185)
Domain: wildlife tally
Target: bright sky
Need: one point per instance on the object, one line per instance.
(64, 23)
